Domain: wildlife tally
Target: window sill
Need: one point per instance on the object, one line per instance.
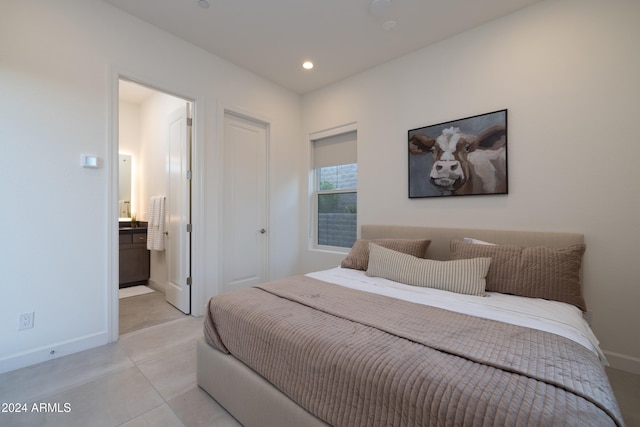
(330, 250)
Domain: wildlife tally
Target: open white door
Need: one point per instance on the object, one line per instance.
(178, 211)
(245, 202)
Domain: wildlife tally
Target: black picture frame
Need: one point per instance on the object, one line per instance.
(464, 157)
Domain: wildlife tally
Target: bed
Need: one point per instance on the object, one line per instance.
(397, 335)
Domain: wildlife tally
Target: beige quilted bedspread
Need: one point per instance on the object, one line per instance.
(358, 359)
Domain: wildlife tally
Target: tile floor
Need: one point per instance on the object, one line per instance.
(626, 387)
(146, 310)
(148, 378)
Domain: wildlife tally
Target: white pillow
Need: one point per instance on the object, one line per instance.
(477, 242)
(462, 276)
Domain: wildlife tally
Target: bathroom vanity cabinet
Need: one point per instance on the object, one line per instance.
(134, 257)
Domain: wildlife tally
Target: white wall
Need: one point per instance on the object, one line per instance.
(59, 63)
(568, 72)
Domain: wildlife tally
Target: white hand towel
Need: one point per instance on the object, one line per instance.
(155, 229)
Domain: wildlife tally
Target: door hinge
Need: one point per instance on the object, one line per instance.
(189, 121)
(189, 228)
(188, 281)
(189, 174)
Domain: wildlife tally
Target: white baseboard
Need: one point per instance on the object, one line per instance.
(156, 286)
(52, 351)
(623, 362)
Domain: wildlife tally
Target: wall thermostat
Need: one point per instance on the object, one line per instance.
(89, 161)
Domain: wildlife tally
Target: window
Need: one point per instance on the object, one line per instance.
(335, 190)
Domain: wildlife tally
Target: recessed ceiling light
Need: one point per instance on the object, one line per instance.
(307, 65)
(203, 4)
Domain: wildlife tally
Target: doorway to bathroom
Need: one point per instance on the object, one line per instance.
(155, 137)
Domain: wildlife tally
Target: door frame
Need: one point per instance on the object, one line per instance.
(197, 205)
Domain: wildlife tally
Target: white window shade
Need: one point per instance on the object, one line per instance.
(335, 150)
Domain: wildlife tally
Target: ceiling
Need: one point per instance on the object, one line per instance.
(272, 38)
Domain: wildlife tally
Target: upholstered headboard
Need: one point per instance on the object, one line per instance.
(441, 237)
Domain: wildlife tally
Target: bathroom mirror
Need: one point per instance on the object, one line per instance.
(124, 188)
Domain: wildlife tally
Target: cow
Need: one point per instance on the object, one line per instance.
(465, 164)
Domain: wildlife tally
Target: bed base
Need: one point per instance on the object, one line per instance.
(251, 399)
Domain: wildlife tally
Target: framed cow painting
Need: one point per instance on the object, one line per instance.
(459, 158)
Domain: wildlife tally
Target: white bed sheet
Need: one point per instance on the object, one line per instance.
(550, 316)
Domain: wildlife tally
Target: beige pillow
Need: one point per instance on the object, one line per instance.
(537, 272)
(358, 257)
(464, 276)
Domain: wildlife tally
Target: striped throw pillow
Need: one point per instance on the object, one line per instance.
(461, 276)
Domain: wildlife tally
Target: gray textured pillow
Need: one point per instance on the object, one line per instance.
(537, 272)
(358, 257)
(464, 276)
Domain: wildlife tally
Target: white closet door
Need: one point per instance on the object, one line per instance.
(245, 239)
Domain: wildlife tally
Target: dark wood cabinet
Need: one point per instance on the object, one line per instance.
(134, 257)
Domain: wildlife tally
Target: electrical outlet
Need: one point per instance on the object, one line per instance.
(25, 321)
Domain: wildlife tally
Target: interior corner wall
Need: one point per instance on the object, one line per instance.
(57, 66)
(567, 71)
